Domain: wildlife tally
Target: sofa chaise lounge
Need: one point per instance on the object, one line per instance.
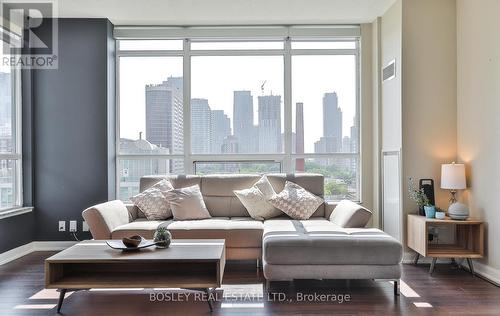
(332, 244)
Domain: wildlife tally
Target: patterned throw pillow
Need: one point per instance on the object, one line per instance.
(296, 202)
(164, 186)
(153, 204)
(255, 199)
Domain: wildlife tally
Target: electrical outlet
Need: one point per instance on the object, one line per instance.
(72, 226)
(85, 226)
(62, 226)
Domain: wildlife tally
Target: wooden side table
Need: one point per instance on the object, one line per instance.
(468, 242)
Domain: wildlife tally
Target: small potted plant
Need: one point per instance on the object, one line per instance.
(162, 237)
(419, 196)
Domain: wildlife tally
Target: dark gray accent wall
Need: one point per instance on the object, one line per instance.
(73, 111)
(16, 231)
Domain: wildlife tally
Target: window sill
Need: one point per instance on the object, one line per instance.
(15, 211)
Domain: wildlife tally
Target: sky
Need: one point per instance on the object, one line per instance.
(216, 77)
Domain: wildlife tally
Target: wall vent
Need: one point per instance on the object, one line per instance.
(389, 71)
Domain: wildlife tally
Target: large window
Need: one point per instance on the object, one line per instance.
(217, 104)
(10, 137)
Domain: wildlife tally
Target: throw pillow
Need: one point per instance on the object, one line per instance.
(162, 185)
(255, 199)
(255, 203)
(350, 215)
(187, 203)
(153, 204)
(296, 202)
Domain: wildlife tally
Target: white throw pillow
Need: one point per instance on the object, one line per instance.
(255, 200)
(153, 204)
(296, 202)
(187, 203)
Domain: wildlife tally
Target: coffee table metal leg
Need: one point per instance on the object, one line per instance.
(208, 291)
(417, 256)
(62, 293)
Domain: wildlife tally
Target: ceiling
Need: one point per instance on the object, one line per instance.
(225, 12)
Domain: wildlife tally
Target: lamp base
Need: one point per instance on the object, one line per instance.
(458, 211)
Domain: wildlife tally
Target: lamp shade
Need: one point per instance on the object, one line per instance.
(453, 176)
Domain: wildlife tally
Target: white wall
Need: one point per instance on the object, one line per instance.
(418, 107)
(366, 126)
(478, 85)
(391, 48)
(429, 93)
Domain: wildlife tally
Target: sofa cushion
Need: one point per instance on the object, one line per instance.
(140, 226)
(295, 201)
(239, 232)
(350, 215)
(319, 241)
(187, 203)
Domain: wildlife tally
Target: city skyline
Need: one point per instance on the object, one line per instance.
(213, 132)
(164, 122)
(215, 78)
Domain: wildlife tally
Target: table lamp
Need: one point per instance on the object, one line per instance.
(453, 179)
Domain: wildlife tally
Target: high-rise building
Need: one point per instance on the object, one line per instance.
(346, 144)
(269, 124)
(5, 98)
(354, 145)
(332, 119)
(326, 145)
(243, 128)
(220, 129)
(200, 126)
(299, 135)
(230, 145)
(131, 170)
(5, 114)
(164, 117)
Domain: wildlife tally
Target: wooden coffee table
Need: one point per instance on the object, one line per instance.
(196, 264)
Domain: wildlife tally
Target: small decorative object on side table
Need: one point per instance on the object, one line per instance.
(162, 237)
(453, 179)
(419, 197)
(467, 244)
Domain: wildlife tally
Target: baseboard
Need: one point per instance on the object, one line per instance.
(484, 271)
(26, 249)
(16, 253)
(52, 245)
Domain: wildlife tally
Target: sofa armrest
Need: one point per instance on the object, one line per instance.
(103, 218)
(348, 214)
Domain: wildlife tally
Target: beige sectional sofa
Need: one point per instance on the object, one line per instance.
(326, 246)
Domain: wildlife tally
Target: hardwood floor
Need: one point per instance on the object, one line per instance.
(448, 291)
